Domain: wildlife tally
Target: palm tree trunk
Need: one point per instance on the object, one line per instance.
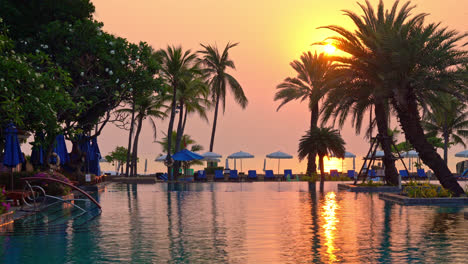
(185, 120)
(410, 122)
(446, 142)
(169, 131)
(391, 174)
(127, 165)
(179, 134)
(214, 123)
(311, 165)
(322, 172)
(135, 145)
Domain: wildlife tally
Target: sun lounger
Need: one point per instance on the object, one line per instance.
(219, 175)
(163, 177)
(288, 173)
(351, 174)
(404, 174)
(269, 175)
(233, 175)
(252, 175)
(201, 175)
(422, 174)
(334, 173)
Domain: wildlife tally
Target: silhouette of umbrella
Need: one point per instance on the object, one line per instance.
(279, 155)
(13, 155)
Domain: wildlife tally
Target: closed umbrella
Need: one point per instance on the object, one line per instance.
(85, 147)
(264, 165)
(227, 164)
(61, 149)
(94, 157)
(240, 155)
(462, 154)
(146, 165)
(279, 155)
(37, 155)
(13, 155)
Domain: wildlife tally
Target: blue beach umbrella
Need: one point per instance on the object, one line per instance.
(85, 147)
(12, 155)
(61, 149)
(186, 155)
(94, 157)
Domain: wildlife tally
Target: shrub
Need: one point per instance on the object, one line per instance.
(4, 206)
(371, 183)
(425, 190)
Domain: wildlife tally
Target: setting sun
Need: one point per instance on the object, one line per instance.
(329, 48)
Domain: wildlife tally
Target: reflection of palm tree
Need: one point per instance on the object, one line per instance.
(310, 84)
(448, 118)
(408, 62)
(216, 65)
(323, 141)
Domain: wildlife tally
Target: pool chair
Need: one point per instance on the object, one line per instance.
(201, 175)
(269, 176)
(334, 173)
(163, 177)
(288, 173)
(219, 176)
(252, 175)
(404, 174)
(351, 174)
(422, 174)
(233, 175)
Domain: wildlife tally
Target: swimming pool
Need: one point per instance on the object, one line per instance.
(264, 222)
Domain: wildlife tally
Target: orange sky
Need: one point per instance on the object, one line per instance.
(271, 34)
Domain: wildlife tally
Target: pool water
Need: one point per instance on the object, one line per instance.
(264, 222)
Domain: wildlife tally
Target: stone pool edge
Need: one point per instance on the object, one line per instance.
(355, 188)
(405, 200)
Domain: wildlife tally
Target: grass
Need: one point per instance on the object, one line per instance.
(315, 178)
(371, 183)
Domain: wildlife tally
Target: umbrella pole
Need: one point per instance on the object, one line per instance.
(278, 165)
(11, 174)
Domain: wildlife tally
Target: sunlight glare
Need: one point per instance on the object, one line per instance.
(329, 49)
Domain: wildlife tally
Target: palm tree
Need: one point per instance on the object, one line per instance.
(216, 65)
(408, 62)
(176, 64)
(149, 107)
(311, 84)
(353, 95)
(323, 141)
(448, 118)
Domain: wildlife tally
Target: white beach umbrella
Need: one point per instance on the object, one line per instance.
(378, 153)
(349, 155)
(279, 155)
(462, 154)
(240, 155)
(161, 158)
(410, 154)
(211, 156)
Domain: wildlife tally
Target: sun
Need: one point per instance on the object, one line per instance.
(329, 49)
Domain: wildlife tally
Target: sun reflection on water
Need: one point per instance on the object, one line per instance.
(330, 220)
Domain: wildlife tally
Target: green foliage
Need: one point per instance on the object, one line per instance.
(425, 190)
(119, 155)
(324, 141)
(4, 206)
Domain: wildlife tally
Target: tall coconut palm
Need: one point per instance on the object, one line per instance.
(323, 141)
(216, 65)
(176, 64)
(409, 62)
(448, 117)
(311, 84)
(353, 95)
